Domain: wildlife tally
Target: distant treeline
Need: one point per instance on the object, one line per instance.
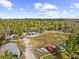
(38, 25)
(39, 19)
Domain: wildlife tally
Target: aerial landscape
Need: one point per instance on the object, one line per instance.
(39, 29)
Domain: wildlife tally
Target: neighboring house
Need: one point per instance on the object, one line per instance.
(13, 48)
(32, 34)
(29, 34)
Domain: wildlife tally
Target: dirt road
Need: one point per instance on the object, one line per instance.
(28, 52)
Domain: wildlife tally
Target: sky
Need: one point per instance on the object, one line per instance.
(39, 8)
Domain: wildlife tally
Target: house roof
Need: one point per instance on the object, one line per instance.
(13, 48)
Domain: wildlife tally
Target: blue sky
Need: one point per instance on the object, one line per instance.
(39, 8)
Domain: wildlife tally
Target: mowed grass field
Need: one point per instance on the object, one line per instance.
(51, 38)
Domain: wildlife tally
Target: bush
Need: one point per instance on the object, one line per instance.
(7, 55)
(48, 56)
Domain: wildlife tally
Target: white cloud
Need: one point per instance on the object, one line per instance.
(75, 5)
(49, 6)
(71, 10)
(56, 14)
(45, 6)
(71, 7)
(64, 12)
(6, 4)
(21, 9)
(52, 13)
(48, 14)
(38, 5)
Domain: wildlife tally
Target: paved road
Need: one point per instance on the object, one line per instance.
(28, 53)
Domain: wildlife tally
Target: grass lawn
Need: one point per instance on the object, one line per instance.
(48, 38)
